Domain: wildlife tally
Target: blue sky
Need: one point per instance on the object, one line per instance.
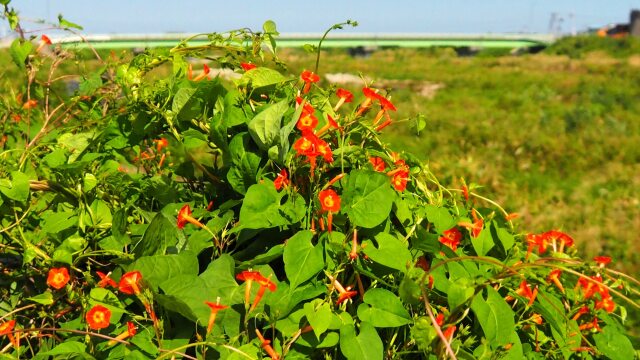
(374, 16)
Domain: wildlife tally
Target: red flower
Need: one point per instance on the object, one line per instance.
(98, 317)
(282, 180)
(45, 39)
(451, 238)
(265, 284)
(331, 123)
(266, 345)
(343, 294)
(306, 144)
(184, 217)
(371, 95)
(131, 331)
(448, 333)
(161, 143)
(399, 179)
(30, 104)
(583, 310)
(130, 283)
(345, 97)
(440, 319)
(378, 164)
(215, 307)
(249, 277)
(554, 237)
(58, 278)
(203, 74)
(105, 280)
(247, 66)
(525, 291)
(329, 200)
(324, 150)
(6, 328)
(606, 303)
(309, 78)
(602, 261)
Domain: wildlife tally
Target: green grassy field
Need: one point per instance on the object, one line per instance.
(552, 138)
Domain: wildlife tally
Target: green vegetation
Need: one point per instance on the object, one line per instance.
(552, 138)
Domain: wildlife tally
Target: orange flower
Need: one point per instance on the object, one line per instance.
(378, 164)
(184, 217)
(58, 278)
(307, 121)
(44, 41)
(591, 286)
(465, 192)
(6, 328)
(247, 66)
(329, 200)
(98, 317)
(309, 78)
(266, 345)
(105, 280)
(130, 283)
(383, 125)
(30, 104)
(386, 106)
(265, 284)
(282, 180)
(131, 331)
(248, 276)
(478, 224)
(451, 238)
(354, 245)
(203, 74)
(215, 307)
(345, 97)
(554, 276)
(331, 123)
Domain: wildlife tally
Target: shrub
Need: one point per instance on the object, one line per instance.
(157, 212)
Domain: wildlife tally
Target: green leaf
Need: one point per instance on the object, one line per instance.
(262, 207)
(367, 198)
(614, 345)
(17, 188)
(382, 308)
(161, 233)
(440, 218)
(505, 237)
(364, 346)
(269, 27)
(20, 50)
(265, 127)
(261, 77)
(245, 163)
(459, 292)
(185, 106)
(56, 222)
(495, 317)
(46, 298)
(301, 259)
(158, 268)
(483, 243)
(67, 347)
(319, 315)
(67, 24)
(391, 252)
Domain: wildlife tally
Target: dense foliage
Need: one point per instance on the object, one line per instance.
(147, 216)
